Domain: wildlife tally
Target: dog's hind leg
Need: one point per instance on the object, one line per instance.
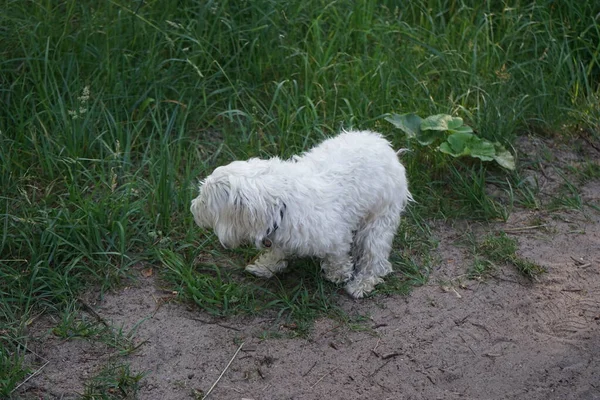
(268, 264)
(371, 250)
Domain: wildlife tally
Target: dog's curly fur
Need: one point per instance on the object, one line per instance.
(340, 202)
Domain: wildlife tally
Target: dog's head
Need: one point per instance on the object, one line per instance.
(238, 202)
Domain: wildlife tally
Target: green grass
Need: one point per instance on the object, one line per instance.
(13, 368)
(109, 115)
(495, 249)
(114, 381)
(74, 324)
(222, 288)
(585, 172)
(297, 297)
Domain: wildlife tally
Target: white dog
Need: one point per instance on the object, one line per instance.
(339, 202)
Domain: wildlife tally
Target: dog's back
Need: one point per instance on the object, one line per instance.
(348, 145)
(359, 156)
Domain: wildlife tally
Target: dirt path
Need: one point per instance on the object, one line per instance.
(500, 338)
(454, 338)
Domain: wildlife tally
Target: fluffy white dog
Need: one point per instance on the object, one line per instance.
(340, 202)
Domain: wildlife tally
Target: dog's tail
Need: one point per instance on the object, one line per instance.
(409, 197)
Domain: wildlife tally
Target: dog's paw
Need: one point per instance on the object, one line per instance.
(360, 287)
(338, 271)
(259, 270)
(337, 276)
(266, 270)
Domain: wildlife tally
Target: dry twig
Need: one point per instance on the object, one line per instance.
(310, 369)
(223, 373)
(216, 323)
(323, 377)
(37, 371)
(93, 312)
(525, 228)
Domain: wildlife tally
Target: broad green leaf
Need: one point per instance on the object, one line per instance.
(408, 123)
(426, 138)
(457, 144)
(461, 129)
(483, 149)
(446, 149)
(429, 130)
(467, 144)
(504, 157)
(455, 123)
(441, 122)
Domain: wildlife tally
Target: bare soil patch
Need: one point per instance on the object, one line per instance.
(500, 338)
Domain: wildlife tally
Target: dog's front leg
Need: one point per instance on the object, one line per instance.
(269, 263)
(337, 268)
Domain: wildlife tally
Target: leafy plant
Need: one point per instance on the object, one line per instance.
(454, 137)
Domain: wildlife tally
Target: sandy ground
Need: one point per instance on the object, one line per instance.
(455, 338)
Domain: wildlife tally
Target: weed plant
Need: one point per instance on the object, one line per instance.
(498, 248)
(115, 381)
(111, 111)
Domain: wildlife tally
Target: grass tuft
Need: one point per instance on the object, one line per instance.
(498, 248)
(297, 297)
(114, 381)
(74, 324)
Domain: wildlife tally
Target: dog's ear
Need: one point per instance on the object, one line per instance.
(246, 201)
(255, 207)
(213, 197)
(215, 191)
